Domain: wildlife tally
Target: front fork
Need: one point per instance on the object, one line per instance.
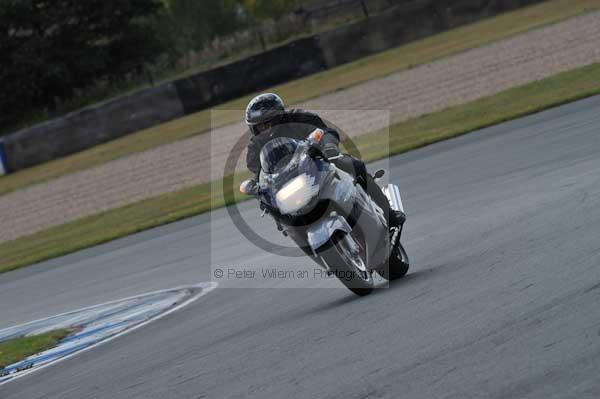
(396, 233)
(392, 192)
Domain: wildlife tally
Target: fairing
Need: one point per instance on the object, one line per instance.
(283, 160)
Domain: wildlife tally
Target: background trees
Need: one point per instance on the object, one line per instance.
(54, 50)
(51, 48)
(188, 24)
(263, 9)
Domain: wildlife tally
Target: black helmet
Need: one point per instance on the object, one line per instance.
(263, 108)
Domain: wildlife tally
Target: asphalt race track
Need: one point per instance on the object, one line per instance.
(502, 300)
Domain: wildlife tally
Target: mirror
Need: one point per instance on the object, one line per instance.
(379, 174)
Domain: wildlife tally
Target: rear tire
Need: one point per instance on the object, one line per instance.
(397, 266)
(349, 268)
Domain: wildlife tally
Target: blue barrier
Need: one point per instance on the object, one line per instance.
(3, 164)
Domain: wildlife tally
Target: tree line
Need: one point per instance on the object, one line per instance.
(54, 50)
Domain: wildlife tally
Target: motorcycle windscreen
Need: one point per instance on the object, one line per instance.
(282, 160)
(275, 156)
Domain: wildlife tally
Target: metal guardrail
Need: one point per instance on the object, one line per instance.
(322, 8)
(330, 6)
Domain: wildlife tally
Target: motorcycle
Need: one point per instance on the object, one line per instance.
(328, 213)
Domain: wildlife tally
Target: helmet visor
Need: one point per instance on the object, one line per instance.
(260, 128)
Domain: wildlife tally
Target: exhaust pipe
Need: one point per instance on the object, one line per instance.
(393, 194)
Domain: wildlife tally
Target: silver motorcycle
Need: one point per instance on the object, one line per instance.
(328, 214)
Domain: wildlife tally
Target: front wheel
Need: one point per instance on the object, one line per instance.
(346, 260)
(397, 266)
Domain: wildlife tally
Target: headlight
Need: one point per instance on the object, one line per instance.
(296, 194)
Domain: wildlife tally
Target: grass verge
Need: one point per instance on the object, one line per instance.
(56, 241)
(375, 66)
(15, 350)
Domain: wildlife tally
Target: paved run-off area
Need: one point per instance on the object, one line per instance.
(454, 80)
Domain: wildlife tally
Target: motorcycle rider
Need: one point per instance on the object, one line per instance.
(267, 118)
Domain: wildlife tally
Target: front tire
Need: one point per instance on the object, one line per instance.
(348, 263)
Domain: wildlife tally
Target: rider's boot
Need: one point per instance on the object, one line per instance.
(397, 218)
(357, 168)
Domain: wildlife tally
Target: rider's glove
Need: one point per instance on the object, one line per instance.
(249, 187)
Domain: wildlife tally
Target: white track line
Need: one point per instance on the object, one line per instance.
(206, 288)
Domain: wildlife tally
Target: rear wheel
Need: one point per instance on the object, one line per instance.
(346, 260)
(397, 266)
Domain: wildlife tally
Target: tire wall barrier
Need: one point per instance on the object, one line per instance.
(102, 122)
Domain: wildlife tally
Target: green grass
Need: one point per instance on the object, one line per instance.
(15, 350)
(379, 65)
(452, 122)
